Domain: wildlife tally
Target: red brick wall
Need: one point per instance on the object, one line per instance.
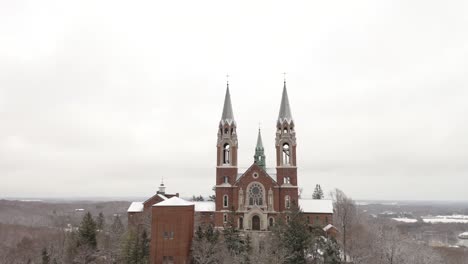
(319, 219)
(176, 219)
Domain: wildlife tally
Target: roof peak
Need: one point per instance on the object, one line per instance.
(285, 109)
(228, 115)
(259, 140)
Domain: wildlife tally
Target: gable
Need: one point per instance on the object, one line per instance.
(255, 173)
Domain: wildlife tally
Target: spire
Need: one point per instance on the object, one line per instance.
(285, 109)
(259, 141)
(227, 115)
(259, 157)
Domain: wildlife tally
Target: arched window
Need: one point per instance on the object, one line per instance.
(271, 221)
(226, 153)
(287, 179)
(226, 179)
(285, 130)
(286, 153)
(225, 201)
(287, 201)
(288, 219)
(241, 223)
(256, 194)
(225, 218)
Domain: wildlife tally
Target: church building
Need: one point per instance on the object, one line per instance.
(256, 197)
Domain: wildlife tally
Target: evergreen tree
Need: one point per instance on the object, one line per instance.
(212, 198)
(144, 247)
(100, 222)
(117, 228)
(198, 198)
(87, 231)
(45, 256)
(318, 193)
(294, 236)
(130, 248)
(206, 246)
(232, 238)
(237, 246)
(331, 252)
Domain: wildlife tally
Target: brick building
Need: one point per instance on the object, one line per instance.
(257, 197)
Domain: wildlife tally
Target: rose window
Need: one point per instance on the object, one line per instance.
(256, 194)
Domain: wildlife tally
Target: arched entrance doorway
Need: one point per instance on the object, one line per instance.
(255, 222)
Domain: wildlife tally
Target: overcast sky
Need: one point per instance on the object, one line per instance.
(104, 98)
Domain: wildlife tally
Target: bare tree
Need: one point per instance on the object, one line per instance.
(344, 216)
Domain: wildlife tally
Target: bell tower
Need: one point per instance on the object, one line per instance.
(285, 143)
(226, 161)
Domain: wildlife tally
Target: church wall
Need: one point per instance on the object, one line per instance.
(229, 171)
(203, 219)
(292, 192)
(317, 219)
(172, 233)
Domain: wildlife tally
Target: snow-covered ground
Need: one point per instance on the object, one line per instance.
(447, 219)
(405, 220)
(437, 219)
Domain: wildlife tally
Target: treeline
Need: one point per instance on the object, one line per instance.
(93, 241)
(368, 240)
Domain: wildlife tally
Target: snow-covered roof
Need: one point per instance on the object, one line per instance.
(271, 172)
(224, 184)
(204, 206)
(135, 207)
(328, 227)
(174, 201)
(162, 196)
(316, 206)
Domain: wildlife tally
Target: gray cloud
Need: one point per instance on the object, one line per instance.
(105, 99)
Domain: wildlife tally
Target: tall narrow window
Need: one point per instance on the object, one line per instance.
(225, 218)
(241, 223)
(226, 154)
(225, 201)
(286, 154)
(287, 201)
(287, 179)
(226, 179)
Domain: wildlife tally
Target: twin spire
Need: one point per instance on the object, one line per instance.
(284, 115)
